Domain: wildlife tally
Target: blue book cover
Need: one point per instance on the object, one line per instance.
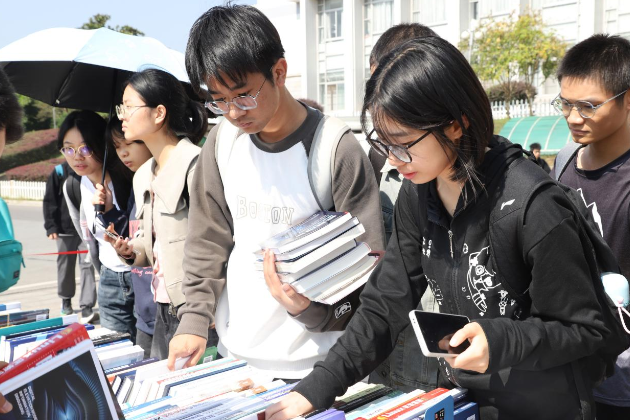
(12, 343)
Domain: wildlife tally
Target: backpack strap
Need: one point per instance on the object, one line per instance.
(224, 143)
(511, 195)
(73, 189)
(321, 159)
(564, 157)
(6, 229)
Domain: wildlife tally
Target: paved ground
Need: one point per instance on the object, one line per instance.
(37, 287)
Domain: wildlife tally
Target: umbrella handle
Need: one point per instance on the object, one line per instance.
(100, 208)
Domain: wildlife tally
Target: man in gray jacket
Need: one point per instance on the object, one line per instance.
(259, 187)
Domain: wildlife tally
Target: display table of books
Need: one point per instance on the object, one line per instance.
(63, 377)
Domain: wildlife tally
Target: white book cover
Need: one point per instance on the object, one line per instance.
(350, 280)
(113, 346)
(352, 228)
(122, 356)
(306, 231)
(331, 271)
(10, 305)
(324, 258)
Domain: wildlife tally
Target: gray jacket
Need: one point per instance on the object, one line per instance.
(168, 193)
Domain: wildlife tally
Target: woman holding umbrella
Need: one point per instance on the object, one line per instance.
(82, 142)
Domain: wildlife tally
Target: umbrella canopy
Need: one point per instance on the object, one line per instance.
(84, 69)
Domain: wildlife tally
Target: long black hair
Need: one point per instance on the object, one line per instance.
(92, 128)
(426, 83)
(184, 116)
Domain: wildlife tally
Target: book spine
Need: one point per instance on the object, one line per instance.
(67, 338)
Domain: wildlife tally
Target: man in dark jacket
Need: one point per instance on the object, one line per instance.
(59, 228)
(535, 149)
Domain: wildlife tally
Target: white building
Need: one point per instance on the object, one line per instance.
(328, 42)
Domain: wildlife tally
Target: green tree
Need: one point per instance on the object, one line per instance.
(100, 21)
(513, 48)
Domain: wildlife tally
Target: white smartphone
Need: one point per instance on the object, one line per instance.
(434, 331)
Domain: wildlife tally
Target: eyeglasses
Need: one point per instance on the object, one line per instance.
(400, 152)
(82, 150)
(245, 102)
(584, 108)
(122, 110)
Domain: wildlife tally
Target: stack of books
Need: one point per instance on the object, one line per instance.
(320, 256)
(17, 340)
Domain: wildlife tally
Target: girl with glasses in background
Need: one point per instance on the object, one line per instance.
(82, 142)
(434, 122)
(157, 110)
(133, 154)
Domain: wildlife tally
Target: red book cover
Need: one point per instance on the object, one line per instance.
(409, 405)
(68, 337)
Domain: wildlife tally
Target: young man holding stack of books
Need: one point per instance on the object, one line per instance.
(257, 188)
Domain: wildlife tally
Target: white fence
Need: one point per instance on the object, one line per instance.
(22, 190)
(521, 109)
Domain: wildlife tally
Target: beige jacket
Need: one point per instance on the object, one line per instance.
(170, 189)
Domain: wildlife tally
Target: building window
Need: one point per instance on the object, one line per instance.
(377, 18)
(428, 11)
(329, 19)
(474, 9)
(331, 90)
(330, 51)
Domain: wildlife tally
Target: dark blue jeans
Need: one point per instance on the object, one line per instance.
(115, 300)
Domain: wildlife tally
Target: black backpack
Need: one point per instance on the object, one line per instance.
(519, 183)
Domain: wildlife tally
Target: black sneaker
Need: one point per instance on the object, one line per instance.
(66, 307)
(87, 315)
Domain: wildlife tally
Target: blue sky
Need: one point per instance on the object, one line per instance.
(166, 20)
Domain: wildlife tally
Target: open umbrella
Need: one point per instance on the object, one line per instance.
(84, 69)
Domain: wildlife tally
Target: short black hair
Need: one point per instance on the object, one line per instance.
(231, 40)
(534, 146)
(114, 131)
(10, 110)
(395, 36)
(184, 116)
(601, 57)
(426, 83)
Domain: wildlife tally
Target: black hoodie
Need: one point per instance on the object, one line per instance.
(530, 374)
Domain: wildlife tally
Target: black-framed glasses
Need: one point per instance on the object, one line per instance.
(584, 108)
(122, 110)
(245, 102)
(82, 150)
(398, 151)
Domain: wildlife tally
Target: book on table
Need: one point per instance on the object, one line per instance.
(62, 378)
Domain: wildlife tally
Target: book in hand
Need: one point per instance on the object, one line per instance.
(61, 379)
(350, 270)
(313, 227)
